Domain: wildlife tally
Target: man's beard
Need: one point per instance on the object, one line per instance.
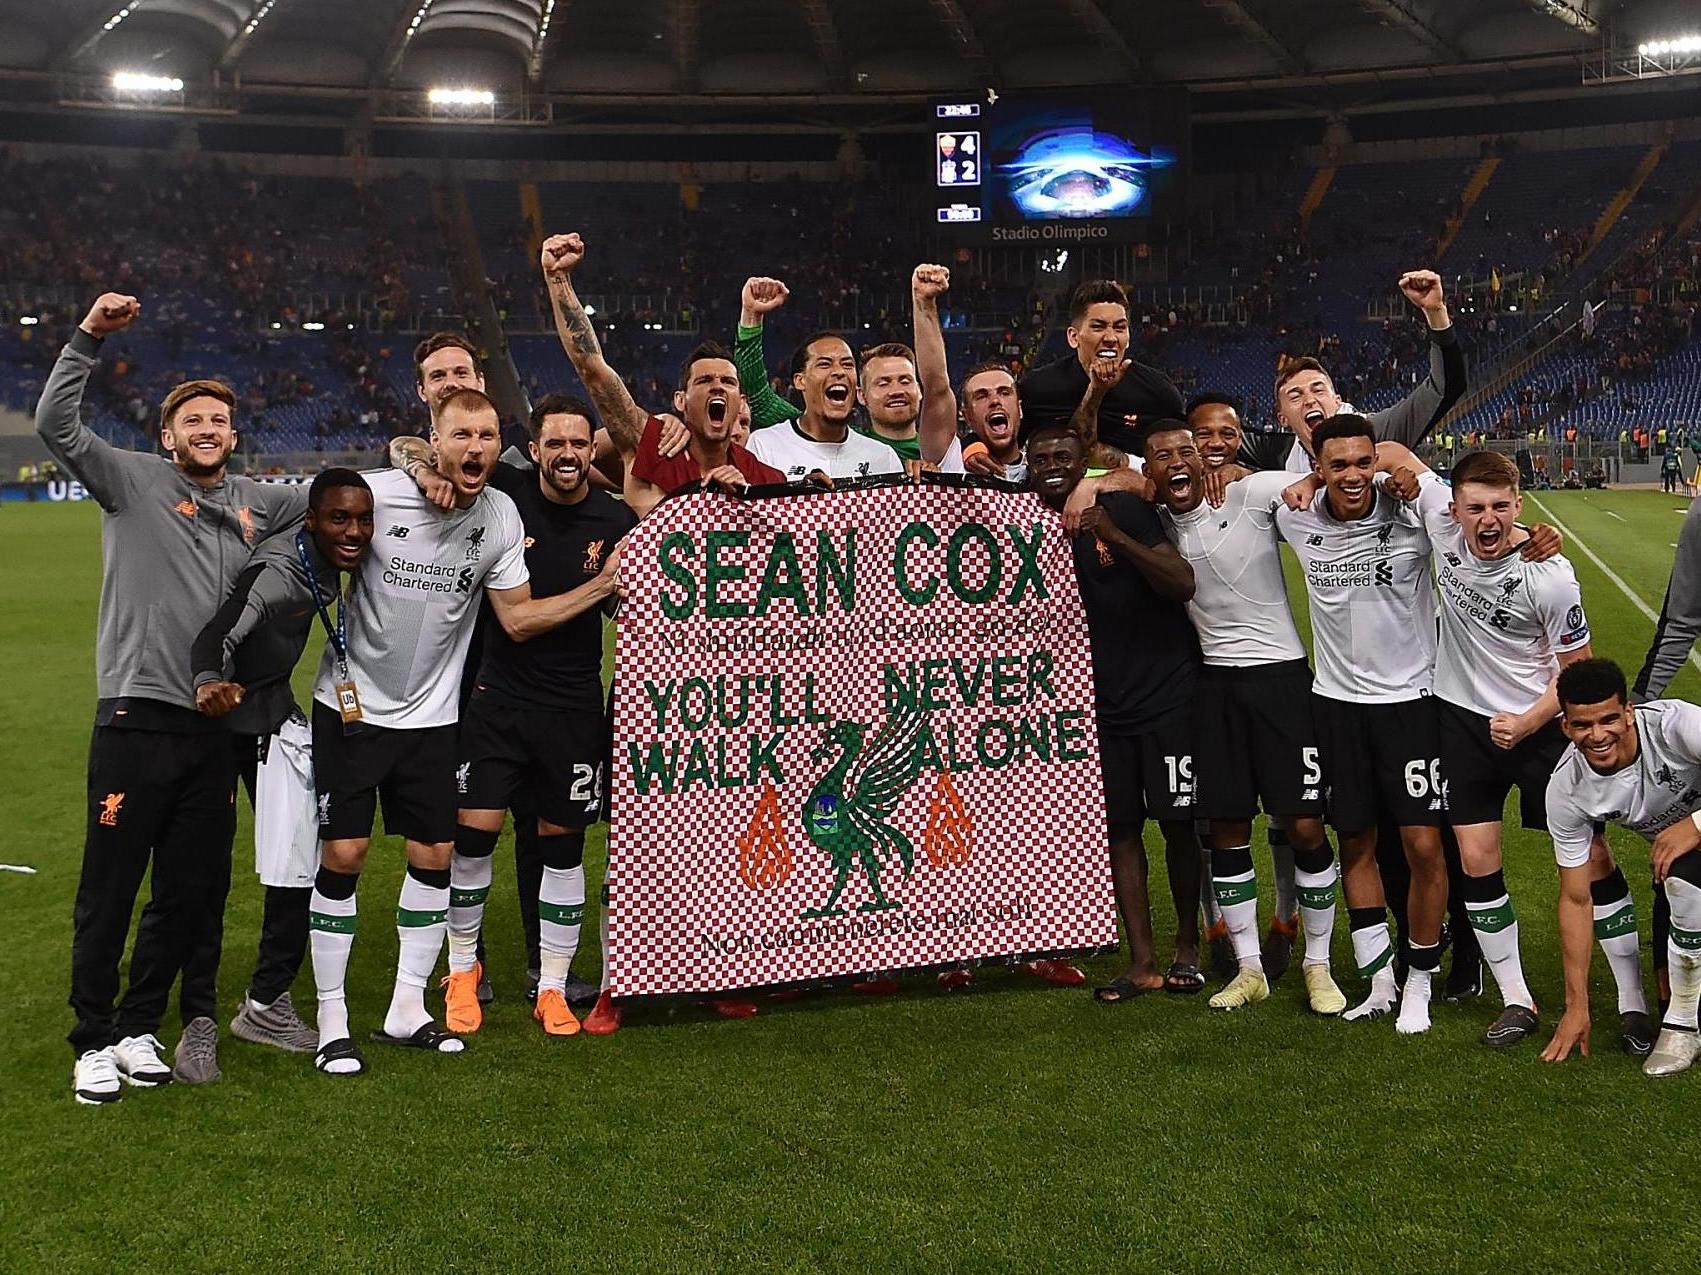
(187, 462)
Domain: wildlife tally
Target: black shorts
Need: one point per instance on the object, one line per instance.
(1254, 741)
(1381, 759)
(412, 771)
(1479, 775)
(559, 757)
(1148, 775)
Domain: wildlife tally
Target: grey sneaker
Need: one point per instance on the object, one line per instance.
(580, 993)
(277, 1025)
(197, 1059)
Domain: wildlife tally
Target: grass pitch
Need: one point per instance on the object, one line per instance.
(1016, 1127)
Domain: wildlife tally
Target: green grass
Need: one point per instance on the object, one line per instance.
(1015, 1128)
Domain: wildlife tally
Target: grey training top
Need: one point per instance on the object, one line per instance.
(258, 635)
(1680, 616)
(170, 549)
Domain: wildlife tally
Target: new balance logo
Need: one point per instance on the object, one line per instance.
(1310, 794)
(1313, 541)
(1452, 558)
(399, 532)
(1435, 803)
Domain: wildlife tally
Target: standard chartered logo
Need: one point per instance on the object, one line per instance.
(427, 577)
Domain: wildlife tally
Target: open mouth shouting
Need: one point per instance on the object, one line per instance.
(1490, 538)
(472, 471)
(998, 425)
(1179, 486)
(1314, 417)
(717, 408)
(837, 394)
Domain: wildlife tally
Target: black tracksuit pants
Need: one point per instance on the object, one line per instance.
(159, 801)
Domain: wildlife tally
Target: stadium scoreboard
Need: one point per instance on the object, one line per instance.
(1028, 169)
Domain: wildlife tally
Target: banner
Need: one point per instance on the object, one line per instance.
(853, 732)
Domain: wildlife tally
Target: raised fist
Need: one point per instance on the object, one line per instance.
(930, 281)
(763, 295)
(561, 253)
(1422, 288)
(111, 312)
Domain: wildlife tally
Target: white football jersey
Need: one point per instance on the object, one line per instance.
(796, 455)
(415, 598)
(1372, 603)
(1240, 602)
(1504, 623)
(1659, 788)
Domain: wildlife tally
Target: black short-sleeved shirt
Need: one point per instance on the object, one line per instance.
(1050, 395)
(566, 546)
(1145, 652)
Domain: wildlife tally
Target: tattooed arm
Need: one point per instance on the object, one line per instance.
(623, 418)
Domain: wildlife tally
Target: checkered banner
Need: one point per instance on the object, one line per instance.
(853, 733)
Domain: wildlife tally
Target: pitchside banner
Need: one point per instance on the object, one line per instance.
(853, 732)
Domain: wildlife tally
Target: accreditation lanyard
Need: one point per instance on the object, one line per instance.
(348, 698)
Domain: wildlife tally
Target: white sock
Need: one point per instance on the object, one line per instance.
(1207, 889)
(560, 912)
(1237, 895)
(1287, 878)
(331, 926)
(1615, 931)
(469, 886)
(1414, 1002)
(1683, 949)
(421, 920)
(1317, 910)
(1496, 927)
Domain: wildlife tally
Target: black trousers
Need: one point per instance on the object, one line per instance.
(163, 800)
(283, 925)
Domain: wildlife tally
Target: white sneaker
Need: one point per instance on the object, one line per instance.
(1384, 998)
(138, 1061)
(95, 1078)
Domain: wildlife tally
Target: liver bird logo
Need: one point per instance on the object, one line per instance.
(849, 811)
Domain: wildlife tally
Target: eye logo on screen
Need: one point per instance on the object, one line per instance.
(1078, 172)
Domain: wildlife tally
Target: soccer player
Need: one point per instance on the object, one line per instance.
(1306, 396)
(709, 398)
(242, 661)
(1639, 768)
(1133, 581)
(820, 438)
(992, 409)
(1125, 390)
(1254, 735)
(1508, 625)
(386, 704)
(536, 718)
(175, 533)
(1365, 557)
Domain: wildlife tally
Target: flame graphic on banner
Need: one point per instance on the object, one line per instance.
(764, 854)
(950, 828)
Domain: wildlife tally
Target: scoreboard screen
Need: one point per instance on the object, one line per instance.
(1049, 169)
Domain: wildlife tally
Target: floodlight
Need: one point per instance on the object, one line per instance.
(460, 97)
(138, 82)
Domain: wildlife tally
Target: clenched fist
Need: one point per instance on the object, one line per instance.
(561, 253)
(1423, 289)
(930, 282)
(111, 312)
(762, 295)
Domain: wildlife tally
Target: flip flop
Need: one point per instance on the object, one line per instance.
(1184, 980)
(430, 1037)
(1119, 990)
(336, 1051)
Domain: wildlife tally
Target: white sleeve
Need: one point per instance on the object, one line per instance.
(510, 571)
(1572, 831)
(1559, 604)
(1434, 503)
(1680, 727)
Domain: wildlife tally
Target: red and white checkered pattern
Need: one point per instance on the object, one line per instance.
(1038, 879)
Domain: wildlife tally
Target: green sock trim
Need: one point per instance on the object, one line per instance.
(1492, 919)
(469, 898)
(1688, 940)
(331, 923)
(1620, 922)
(1317, 899)
(1377, 962)
(1230, 893)
(409, 919)
(561, 913)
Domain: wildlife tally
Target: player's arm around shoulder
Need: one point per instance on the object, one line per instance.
(1131, 529)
